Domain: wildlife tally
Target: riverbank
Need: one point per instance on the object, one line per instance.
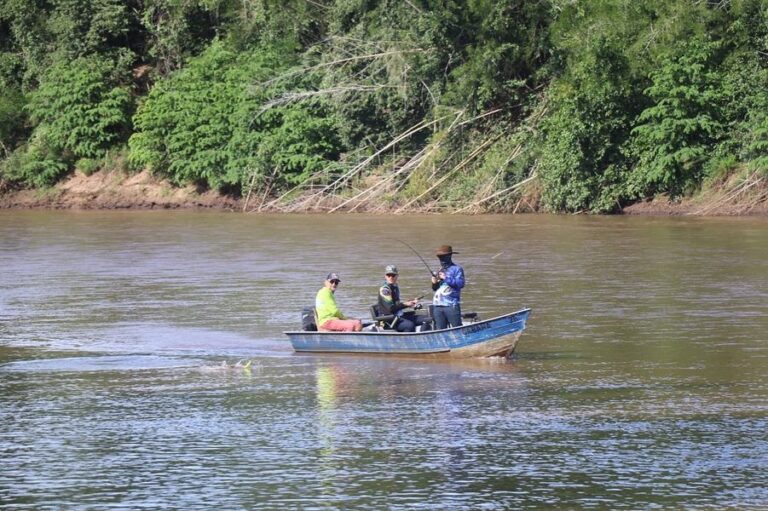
(116, 190)
(739, 195)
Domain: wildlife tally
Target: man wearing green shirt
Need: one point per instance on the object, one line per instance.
(329, 317)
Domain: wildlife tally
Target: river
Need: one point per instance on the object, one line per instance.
(640, 382)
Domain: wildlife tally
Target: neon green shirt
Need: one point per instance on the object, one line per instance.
(325, 305)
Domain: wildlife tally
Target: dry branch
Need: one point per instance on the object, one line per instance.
(448, 174)
(408, 167)
(292, 97)
(357, 169)
(354, 58)
(749, 183)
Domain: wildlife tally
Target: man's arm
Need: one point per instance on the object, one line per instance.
(455, 277)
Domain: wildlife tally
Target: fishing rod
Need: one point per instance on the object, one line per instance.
(417, 255)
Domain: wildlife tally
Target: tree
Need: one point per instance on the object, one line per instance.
(207, 123)
(674, 136)
(582, 167)
(82, 107)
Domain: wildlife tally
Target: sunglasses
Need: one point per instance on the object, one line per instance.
(335, 282)
(391, 275)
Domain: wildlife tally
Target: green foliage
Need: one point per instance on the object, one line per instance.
(12, 118)
(758, 146)
(496, 166)
(38, 164)
(177, 29)
(297, 144)
(183, 126)
(78, 111)
(81, 108)
(10, 69)
(590, 112)
(85, 27)
(636, 98)
(87, 165)
(677, 132)
(293, 23)
(43, 33)
(376, 76)
(745, 75)
(206, 124)
(494, 57)
(25, 23)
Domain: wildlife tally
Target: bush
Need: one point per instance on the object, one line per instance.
(36, 164)
(207, 124)
(12, 118)
(581, 164)
(87, 166)
(675, 135)
(81, 108)
(758, 147)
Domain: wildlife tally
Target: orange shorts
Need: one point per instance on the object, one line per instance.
(342, 325)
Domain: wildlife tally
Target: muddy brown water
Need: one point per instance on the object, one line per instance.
(640, 382)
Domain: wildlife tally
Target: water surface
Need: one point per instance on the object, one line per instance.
(125, 339)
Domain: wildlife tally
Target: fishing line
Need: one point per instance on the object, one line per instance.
(417, 255)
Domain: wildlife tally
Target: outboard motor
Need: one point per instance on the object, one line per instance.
(308, 319)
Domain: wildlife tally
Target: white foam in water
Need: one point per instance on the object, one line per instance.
(244, 366)
(162, 338)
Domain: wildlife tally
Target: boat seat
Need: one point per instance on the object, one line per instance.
(317, 325)
(384, 321)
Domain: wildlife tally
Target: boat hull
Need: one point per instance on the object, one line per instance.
(496, 337)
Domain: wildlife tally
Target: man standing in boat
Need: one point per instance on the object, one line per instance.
(329, 317)
(447, 285)
(389, 303)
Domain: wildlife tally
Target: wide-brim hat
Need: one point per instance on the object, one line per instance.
(444, 250)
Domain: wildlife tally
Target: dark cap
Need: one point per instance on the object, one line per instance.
(333, 276)
(444, 250)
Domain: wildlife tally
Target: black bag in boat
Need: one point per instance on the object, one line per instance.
(308, 319)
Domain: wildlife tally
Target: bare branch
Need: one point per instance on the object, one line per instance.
(292, 97)
(335, 63)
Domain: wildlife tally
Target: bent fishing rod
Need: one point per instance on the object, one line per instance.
(417, 255)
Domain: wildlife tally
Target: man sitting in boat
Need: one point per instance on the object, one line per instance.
(389, 303)
(447, 286)
(329, 317)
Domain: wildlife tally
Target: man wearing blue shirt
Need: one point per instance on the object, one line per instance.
(447, 285)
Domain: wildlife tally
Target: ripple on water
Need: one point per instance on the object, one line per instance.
(100, 363)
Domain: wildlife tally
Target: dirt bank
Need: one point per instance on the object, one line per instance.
(113, 190)
(737, 195)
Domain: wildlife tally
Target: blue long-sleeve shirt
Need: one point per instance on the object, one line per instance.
(448, 290)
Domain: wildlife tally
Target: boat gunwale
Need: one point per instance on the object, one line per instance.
(412, 334)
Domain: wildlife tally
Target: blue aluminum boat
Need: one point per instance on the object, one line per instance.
(496, 337)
